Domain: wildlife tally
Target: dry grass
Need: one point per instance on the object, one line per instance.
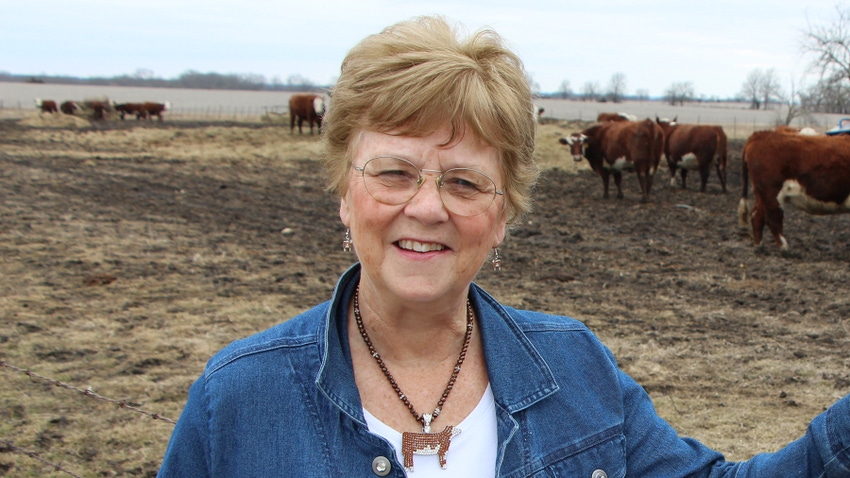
(189, 221)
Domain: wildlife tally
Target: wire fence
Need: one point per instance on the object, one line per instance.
(272, 113)
(8, 445)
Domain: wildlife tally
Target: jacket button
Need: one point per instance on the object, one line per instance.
(599, 474)
(381, 466)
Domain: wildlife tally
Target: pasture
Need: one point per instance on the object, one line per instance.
(132, 252)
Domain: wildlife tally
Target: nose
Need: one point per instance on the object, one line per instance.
(428, 202)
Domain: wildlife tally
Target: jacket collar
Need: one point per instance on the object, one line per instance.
(519, 376)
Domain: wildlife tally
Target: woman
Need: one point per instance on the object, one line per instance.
(410, 365)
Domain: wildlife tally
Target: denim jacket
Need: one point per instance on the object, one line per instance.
(284, 403)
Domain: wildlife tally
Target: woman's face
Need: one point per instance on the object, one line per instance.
(420, 251)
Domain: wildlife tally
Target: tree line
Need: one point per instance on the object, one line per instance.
(188, 79)
(827, 46)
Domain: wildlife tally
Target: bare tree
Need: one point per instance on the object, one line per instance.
(679, 92)
(297, 80)
(617, 87)
(642, 94)
(564, 90)
(829, 47)
(590, 91)
(769, 88)
(794, 108)
(750, 89)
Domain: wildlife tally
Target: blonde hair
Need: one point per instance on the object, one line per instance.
(417, 76)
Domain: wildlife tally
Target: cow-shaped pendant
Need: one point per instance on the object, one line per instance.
(413, 443)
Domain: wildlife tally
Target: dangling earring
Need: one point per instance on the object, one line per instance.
(346, 242)
(496, 261)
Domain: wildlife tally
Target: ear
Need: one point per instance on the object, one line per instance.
(344, 211)
(500, 229)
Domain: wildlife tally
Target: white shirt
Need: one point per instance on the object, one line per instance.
(472, 453)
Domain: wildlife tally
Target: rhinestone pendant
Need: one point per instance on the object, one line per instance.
(427, 444)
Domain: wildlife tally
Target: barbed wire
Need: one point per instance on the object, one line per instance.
(36, 456)
(87, 392)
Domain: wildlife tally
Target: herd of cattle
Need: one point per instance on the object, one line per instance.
(302, 107)
(99, 109)
(784, 165)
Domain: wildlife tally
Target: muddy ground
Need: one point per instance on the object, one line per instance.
(132, 253)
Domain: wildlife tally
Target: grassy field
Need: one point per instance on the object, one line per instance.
(133, 252)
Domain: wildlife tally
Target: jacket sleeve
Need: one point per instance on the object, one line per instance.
(188, 449)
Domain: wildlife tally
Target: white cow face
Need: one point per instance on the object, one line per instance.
(576, 142)
(319, 105)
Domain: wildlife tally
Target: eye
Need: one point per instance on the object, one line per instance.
(466, 183)
(391, 172)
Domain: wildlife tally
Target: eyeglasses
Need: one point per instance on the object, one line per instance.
(394, 181)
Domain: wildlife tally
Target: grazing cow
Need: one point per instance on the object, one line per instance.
(792, 130)
(810, 172)
(68, 107)
(616, 146)
(150, 109)
(46, 106)
(694, 147)
(98, 108)
(306, 107)
(615, 117)
(136, 109)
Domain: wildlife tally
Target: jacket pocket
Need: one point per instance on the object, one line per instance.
(604, 459)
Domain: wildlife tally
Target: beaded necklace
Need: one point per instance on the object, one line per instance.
(425, 443)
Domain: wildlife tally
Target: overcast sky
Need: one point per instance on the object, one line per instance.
(713, 44)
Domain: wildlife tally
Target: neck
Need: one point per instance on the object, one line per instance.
(405, 332)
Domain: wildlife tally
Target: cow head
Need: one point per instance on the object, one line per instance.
(319, 105)
(576, 143)
(666, 123)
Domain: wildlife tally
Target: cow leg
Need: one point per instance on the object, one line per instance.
(775, 215)
(758, 221)
(684, 174)
(643, 180)
(703, 177)
(721, 175)
(649, 179)
(672, 168)
(604, 175)
(618, 179)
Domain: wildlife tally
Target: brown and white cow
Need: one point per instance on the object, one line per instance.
(310, 108)
(616, 146)
(46, 106)
(136, 109)
(68, 107)
(97, 108)
(792, 130)
(811, 173)
(693, 147)
(602, 117)
(150, 109)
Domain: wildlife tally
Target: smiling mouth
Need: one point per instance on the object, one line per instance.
(420, 246)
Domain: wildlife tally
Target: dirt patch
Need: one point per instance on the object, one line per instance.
(131, 253)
